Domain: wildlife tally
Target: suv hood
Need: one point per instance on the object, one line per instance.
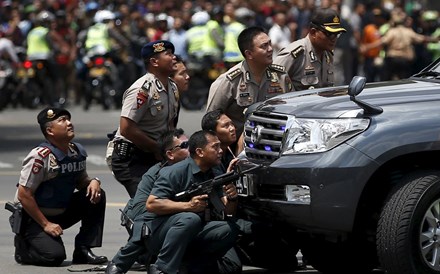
(335, 102)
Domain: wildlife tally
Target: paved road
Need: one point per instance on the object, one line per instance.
(19, 133)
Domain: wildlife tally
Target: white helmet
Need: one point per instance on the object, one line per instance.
(102, 15)
(200, 18)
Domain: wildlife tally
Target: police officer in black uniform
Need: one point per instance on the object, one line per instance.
(46, 190)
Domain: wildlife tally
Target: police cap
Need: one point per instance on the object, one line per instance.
(327, 19)
(51, 113)
(156, 47)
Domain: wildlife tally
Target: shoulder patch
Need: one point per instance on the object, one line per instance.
(297, 51)
(37, 166)
(278, 68)
(233, 74)
(43, 152)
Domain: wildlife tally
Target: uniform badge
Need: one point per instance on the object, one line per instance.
(288, 84)
(43, 152)
(159, 47)
(141, 99)
(233, 74)
(242, 86)
(248, 76)
(156, 95)
(312, 56)
(274, 77)
(275, 87)
(50, 114)
(146, 86)
(36, 167)
(297, 51)
(158, 85)
(52, 162)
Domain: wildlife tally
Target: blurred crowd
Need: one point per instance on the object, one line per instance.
(132, 23)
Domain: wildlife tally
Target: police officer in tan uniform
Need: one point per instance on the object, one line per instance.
(149, 108)
(253, 80)
(309, 61)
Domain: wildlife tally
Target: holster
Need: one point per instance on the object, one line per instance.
(123, 149)
(16, 217)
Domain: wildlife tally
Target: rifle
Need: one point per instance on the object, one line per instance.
(207, 186)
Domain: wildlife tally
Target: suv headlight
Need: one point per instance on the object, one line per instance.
(318, 135)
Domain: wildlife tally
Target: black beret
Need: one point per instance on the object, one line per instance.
(328, 19)
(156, 47)
(51, 113)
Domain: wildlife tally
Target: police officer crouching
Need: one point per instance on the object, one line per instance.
(46, 191)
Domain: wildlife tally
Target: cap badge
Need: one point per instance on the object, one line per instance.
(336, 19)
(159, 47)
(50, 114)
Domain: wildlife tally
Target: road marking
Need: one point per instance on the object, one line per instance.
(97, 160)
(107, 204)
(6, 165)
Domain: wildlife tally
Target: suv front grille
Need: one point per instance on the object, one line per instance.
(263, 135)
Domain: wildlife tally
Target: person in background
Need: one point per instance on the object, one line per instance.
(279, 33)
(309, 61)
(149, 108)
(51, 174)
(181, 77)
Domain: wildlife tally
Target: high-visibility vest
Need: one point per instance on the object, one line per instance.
(98, 35)
(37, 43)
(232, 52)
(200, 42)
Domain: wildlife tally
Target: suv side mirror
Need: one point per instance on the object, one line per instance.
(356, 86)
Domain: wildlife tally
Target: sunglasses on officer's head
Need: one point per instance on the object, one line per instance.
(182, 145)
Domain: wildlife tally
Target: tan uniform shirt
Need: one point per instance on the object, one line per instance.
(236, 90)
(304, 67)
(400, 41)
(150, 106)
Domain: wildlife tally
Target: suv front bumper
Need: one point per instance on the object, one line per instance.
(334, 181)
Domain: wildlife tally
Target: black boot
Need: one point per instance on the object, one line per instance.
(155, 270)
(112, 268)
(83, 255)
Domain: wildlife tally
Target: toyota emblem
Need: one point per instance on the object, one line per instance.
(256, 134)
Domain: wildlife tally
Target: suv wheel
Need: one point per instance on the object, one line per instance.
(408, 234)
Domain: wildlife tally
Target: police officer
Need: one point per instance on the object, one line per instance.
(309, 61)
(178, 227)
(39, 47)
(46, 190)
(174, 148)
(149, 109)
(253, 80)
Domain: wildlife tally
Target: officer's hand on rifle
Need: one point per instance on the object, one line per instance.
(231, 192)
(198, 203)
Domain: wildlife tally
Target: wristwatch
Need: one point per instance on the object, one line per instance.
(97, 179)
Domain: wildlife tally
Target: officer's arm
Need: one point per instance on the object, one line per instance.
(219, 94)
(160, 206)
(27, 200)
(131, 131)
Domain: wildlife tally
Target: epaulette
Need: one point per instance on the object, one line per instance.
(278, 68)
(233, 74)
(297, 51)
(43, 152)
(146, 86)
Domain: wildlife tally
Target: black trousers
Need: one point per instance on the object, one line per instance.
(129, 168)
(36, 247)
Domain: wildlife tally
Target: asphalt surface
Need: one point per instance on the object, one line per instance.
(19, 133)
